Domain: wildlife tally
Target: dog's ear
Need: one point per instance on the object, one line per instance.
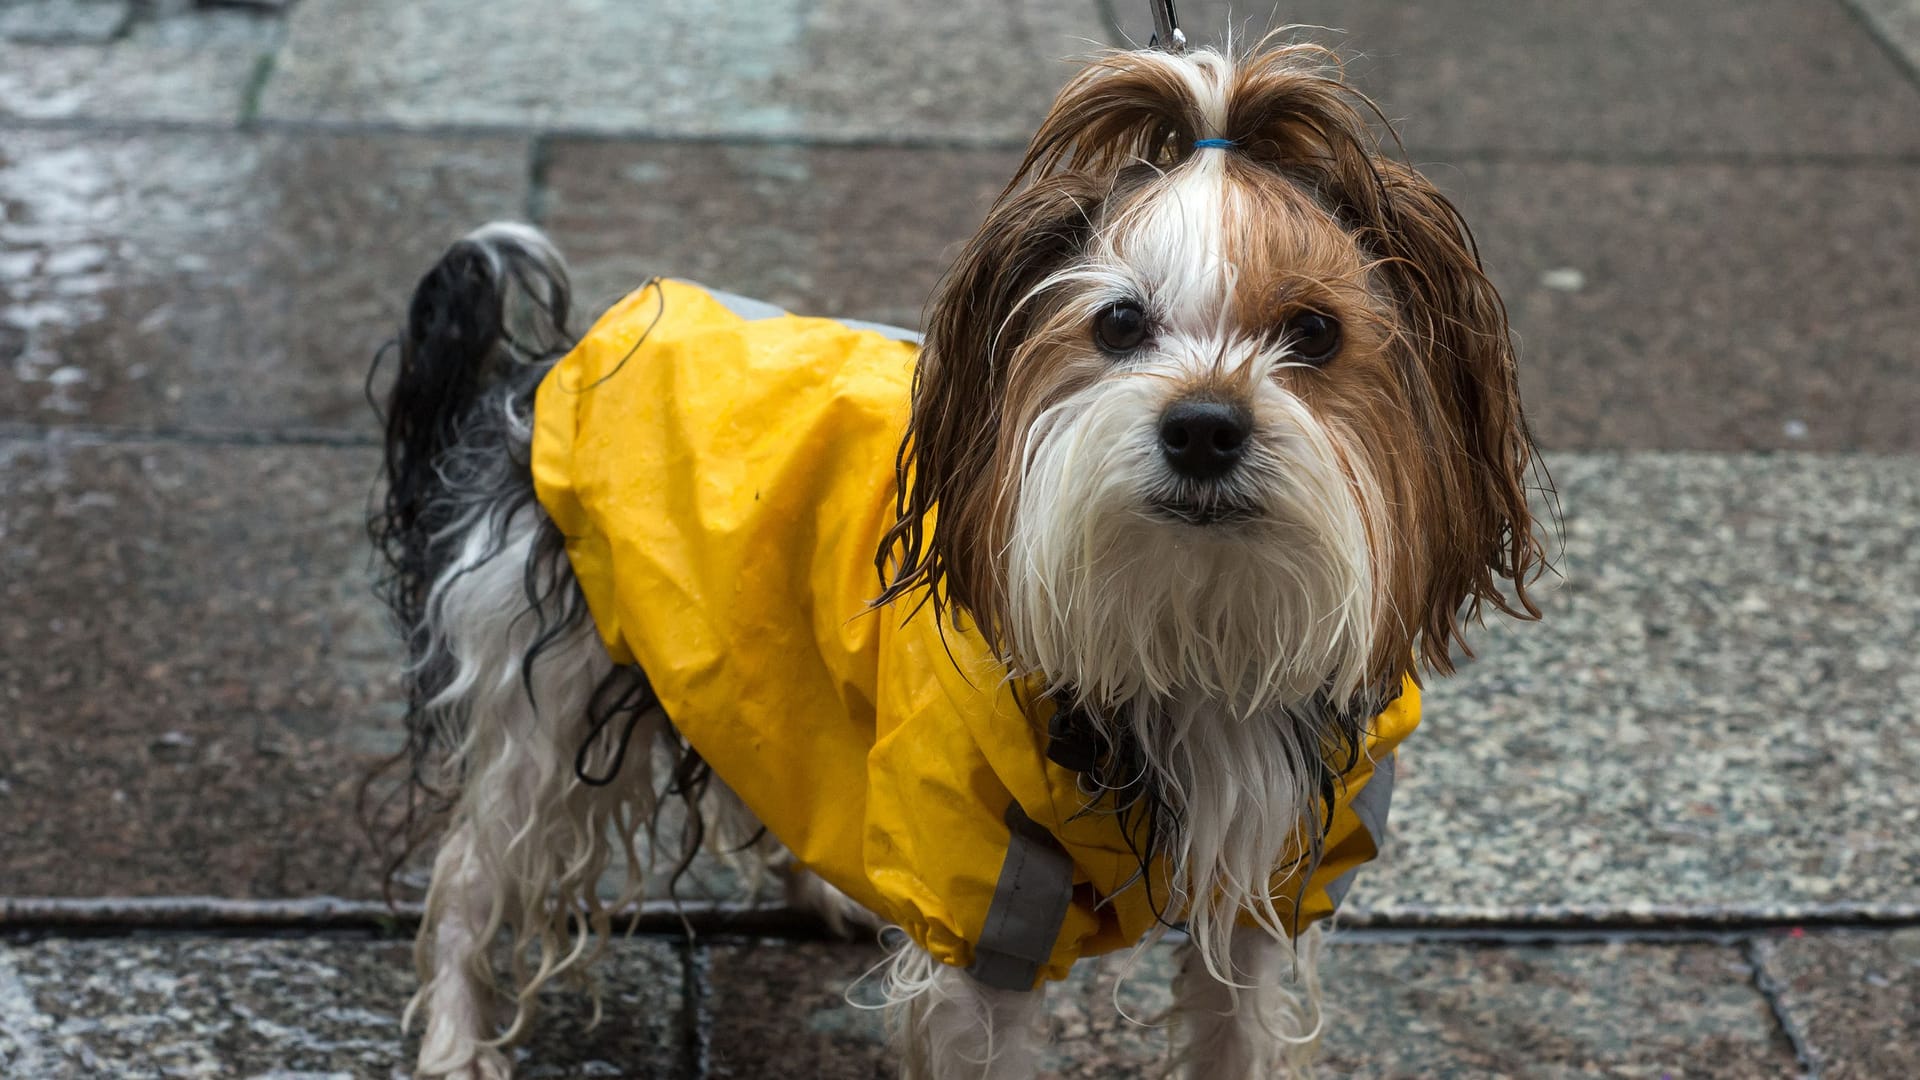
(979, 314)
(1290, 113)
(1481, 531)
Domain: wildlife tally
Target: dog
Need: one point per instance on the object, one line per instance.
(1099, 610)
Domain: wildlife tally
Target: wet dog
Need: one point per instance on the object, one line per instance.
(1099, 610)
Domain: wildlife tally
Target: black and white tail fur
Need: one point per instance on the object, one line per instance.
(520, 728)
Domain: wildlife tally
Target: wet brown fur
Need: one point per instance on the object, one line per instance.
(1424, 384)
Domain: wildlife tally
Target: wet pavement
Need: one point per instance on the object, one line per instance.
(324, 1005)
(1705, 220)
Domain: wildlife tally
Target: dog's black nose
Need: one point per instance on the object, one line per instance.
(1203, 440)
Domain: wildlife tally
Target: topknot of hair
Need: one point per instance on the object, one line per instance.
(1283, 105)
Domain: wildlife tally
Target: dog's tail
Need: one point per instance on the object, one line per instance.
(484, 325)
(493, 309)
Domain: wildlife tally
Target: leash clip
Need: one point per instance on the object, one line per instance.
(1166, 29)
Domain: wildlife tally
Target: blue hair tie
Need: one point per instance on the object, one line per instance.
(1213, 144)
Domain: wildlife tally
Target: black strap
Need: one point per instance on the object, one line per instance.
(1073, 742)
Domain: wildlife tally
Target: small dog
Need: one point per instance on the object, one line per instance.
(1098, 612)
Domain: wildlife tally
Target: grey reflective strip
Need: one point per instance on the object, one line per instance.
(1370, 806)
(750, 309)
(1029, 905)
(891, 333)
(743, 306)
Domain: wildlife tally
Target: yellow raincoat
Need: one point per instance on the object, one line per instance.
(723, 482)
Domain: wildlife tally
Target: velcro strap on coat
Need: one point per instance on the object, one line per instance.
(1029, 905)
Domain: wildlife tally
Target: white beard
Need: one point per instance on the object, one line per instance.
(1126, 605)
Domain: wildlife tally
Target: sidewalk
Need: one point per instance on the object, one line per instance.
(1673, 830)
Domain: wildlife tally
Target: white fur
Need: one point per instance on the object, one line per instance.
(947, 1026)
(1252, 1026)
(1124, 604)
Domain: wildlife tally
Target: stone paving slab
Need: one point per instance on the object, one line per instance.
(200, 671)
(201, 615)
(1397, 1010)
(222, 281)
(84, 61)
(279, 1009)
(970, 69)
(1713, 717)
(192, 667)
(1854, 999)
(1632, 78)
(1652, 309)
(855, 232)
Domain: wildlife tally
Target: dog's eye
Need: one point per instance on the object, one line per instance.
(1313, 337)
(1121, 327)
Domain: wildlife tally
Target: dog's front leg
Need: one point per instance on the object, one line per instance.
(1265, 1023)
(956, 1027)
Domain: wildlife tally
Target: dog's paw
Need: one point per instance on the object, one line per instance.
(478, 1063)
(448, 1057)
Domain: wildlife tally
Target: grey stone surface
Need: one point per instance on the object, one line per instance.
(222, 281)
(1898, 24)
(842, 68)
(192, 667)
(862, 233)
(196, 676)
(1394, 1010)
(1545, 1011)
(1647, 77)
(191, 65)
(1637, 78)
(779, 1008)
(1735, 307)
(785, 1009)
(1716, 713)
(1353, 29)
(61, 22)
(284, 1008)
(1854, 998)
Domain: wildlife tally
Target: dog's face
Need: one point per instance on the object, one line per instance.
(1238, 421)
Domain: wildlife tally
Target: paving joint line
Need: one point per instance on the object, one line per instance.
(480, 130)
(539, 167)
(90, 434)
(80, 434)
(696, 1022)
(1418, 153)
(105, 917)
(255, 89)
(1769, 989)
